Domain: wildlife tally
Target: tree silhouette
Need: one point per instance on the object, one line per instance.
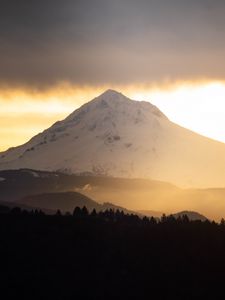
(84, 212)
(58, 213)
(77, 212)
(222, 222)
(93, 213)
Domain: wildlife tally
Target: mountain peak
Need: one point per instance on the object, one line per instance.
(119, 103)
(111, 95)
(110, 92)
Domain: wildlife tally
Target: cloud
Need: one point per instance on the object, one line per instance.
(102, 42)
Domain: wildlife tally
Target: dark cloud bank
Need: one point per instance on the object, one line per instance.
(104, 41)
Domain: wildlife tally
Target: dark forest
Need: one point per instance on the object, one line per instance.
(109, 255)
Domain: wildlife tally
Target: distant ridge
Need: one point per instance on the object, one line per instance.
(192, 215)
(147, 197)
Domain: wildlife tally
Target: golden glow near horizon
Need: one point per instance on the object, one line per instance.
(24, 113)
(200, 108)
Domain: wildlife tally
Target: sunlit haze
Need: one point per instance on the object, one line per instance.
(196, 106)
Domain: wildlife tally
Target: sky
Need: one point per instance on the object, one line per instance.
(57, 54)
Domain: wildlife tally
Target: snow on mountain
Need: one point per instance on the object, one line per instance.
(115, 136)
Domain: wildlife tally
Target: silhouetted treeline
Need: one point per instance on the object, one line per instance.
(109, 255)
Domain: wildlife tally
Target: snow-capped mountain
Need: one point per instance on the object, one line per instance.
(115, 136)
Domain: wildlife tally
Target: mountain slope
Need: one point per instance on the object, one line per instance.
(115, 136)
(66, 202)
